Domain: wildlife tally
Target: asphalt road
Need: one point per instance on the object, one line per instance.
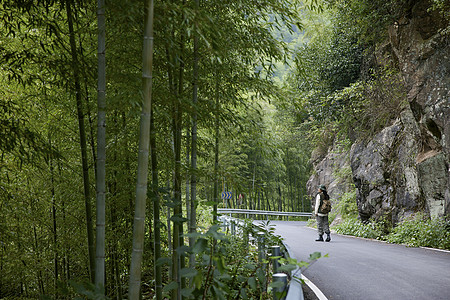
(364, 269)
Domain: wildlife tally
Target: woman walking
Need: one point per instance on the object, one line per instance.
(321, 215)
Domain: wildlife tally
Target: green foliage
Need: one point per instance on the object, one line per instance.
(78, 291)
(38, 108)
(264, 152)
(365, 108)
(372, 104)
(369, 18)
(341, 95)
(442, 6)
(322, 136)
(311, 223)
(87, 290)
(19, 140)
(346, 206)
(420, 231)
(225, 268)
(353, 226)
(344, 174)
(325, 65)
(228, 267)
(416, 231)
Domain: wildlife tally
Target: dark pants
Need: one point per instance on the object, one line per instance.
(322, 225)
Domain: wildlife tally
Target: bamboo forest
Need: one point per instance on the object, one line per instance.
(127, 125)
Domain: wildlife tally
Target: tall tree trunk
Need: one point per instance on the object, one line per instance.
(127, 164)
(38, 254)
(291, 191)
(115, 274)
(188, 176)
(115, 277)
(156, 211)
(91, 126)
(91, 136)
(257, 194)
(268, 201)
(142, 173)
(261, 191)
(297, 193)
(83, 144)
(280, 202)
(55, 233)
(101, 150)
(65, 260)
(253, 193)
(178, 240)
(193, 213)
(177, 213)
(89, 116)
(216, 152)
(169, 232)
(249, 203)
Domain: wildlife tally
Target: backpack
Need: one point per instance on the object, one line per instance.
(325, 204)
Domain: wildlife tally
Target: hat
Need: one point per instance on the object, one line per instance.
(323, 188)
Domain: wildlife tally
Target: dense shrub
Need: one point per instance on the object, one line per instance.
(370, 18)
(368, 105)
(347, 205)
(353, 226)
(420, 231)
(226, 267)
(417, 231)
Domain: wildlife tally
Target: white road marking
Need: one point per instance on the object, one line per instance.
(314, 288)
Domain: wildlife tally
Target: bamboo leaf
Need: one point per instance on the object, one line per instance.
(200, 245)
(252, 283)
(171, 286)
(188, 272)
(315, 255)
(163, 260)
(187, 292)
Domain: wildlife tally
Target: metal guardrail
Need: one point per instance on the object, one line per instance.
(294, 288)
(267, 213)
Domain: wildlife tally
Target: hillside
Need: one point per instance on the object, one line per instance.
(403, 169)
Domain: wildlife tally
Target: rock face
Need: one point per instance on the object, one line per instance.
(385, 172)
(405, 168)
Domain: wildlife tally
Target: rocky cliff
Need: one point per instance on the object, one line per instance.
(405, 168)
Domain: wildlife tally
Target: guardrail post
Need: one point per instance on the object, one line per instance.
(224, 224)
(233, 227)
(260, 239)
(262, 255)
(279, 293)
(276, 252)
(246, 238)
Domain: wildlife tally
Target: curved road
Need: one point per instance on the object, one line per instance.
(365, 269)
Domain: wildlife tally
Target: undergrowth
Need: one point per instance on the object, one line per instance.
(353, 226)
(420, 231)
(416, 231)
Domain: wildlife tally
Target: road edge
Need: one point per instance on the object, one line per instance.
(308, 282)
(314, 288)
(375, 240)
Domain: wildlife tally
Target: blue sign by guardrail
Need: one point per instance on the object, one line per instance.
(226, 195)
